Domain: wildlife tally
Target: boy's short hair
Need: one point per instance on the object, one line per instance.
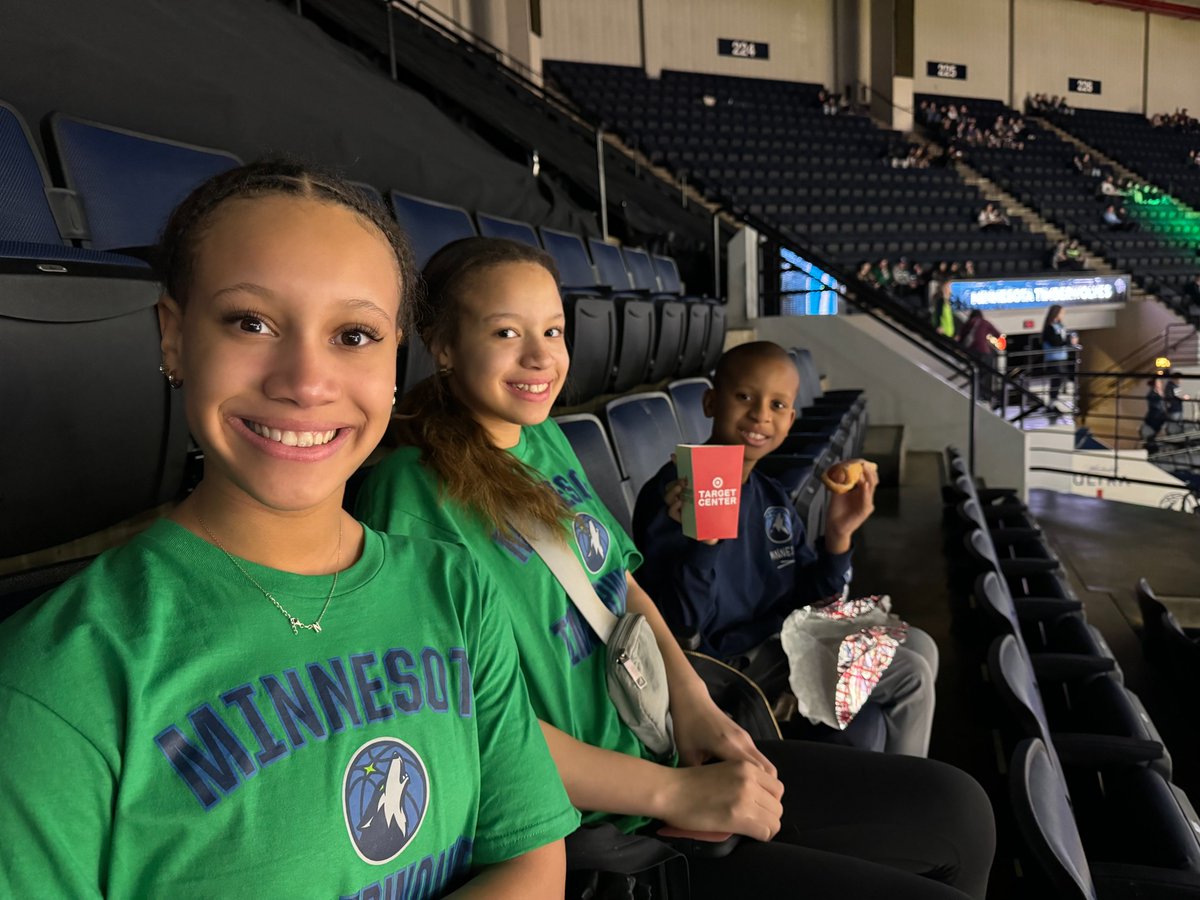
(733, 359)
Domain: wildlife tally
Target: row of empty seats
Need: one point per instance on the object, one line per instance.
(76, 279)
(767, 147)
(628, 319)
(1089, 777)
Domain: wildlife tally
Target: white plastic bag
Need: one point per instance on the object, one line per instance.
(837, 654)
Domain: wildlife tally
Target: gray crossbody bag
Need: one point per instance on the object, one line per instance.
(636, 674)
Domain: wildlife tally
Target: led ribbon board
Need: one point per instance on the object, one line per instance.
(1019, 293)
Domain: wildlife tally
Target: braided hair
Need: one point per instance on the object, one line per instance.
(176, 252)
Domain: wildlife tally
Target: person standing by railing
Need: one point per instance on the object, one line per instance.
(1057, 343)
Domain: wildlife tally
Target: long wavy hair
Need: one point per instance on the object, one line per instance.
(474, 473)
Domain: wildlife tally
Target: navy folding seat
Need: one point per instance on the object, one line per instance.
(592, 340)
(638, 314)
(1093, 719)
(575, 270)
(714, 343)
(1165, 641)
(129, 182)
(585, 433)
(1049, 817)
(687, 394)
(644, 433)
(36, 219)
(695, 340)
(500, 227)
(695, 315)
(667, 273)
(101, 435)
(430, 225)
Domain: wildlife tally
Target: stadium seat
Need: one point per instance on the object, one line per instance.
(1053, 629)
(585, 433)
(1164, 640)
(1094, 721)
(37, 219)
(1157, 818)
(714, 343)
(644, 433)
(102, 437)
(687, 395)
(592, 342)
(499, 227)
(575, 272)
(129, 182)
(430, 225)
(610, 265)
(636, 339)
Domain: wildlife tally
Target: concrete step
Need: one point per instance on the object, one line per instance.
(885, 446)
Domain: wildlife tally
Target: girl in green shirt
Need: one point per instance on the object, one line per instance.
(259, 696)
(478, 448)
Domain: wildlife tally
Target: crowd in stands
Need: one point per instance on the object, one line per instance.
(831, 103)
(1042, 104)
(958, 128)
(1179, 120)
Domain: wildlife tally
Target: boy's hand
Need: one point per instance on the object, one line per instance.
(673, 497)
(848, 511)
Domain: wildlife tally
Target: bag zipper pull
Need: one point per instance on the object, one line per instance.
(631, 667)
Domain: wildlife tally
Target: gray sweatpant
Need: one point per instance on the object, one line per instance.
(906, 694)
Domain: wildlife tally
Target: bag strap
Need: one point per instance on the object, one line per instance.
(566, 568)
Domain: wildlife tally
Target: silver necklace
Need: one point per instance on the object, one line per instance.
(296, 624)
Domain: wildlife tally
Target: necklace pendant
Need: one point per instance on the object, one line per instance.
(316, 626)
(295, 623)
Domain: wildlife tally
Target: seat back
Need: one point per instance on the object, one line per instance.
(129, 182)
(644, 432)
(1042, 808)
(637, 327)
(500, 227)
(667, 272)
(574, 267)
(610, 265)
(1011, 672)
(430, 226)
(695, 339)
(688, 396)
(714, 344)
(671, 323)
(592, 342)
(993, 596)
(641, 269)
(102, 437)
(25, 214)
(585, 433)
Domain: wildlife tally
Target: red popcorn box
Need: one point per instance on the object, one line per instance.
(714, 489)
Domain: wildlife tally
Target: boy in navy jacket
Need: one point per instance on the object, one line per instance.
(736, 593)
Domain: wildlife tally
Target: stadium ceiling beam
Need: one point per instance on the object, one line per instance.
(1158, 7)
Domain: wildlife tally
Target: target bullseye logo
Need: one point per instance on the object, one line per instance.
(718, 482)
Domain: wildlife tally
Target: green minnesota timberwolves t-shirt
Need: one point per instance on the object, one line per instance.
(564, 671)
(166, 735)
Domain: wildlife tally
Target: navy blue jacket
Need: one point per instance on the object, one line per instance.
(736, 593)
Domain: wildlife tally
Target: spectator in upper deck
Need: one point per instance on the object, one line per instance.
(992, 219)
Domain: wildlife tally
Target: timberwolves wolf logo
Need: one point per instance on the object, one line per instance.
(385, 794)
(779, 524)
(592, 538)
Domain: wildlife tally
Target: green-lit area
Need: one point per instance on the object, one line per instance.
(1164, 216)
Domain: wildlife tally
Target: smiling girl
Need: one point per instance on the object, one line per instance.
(480, 450)
(258, 695)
